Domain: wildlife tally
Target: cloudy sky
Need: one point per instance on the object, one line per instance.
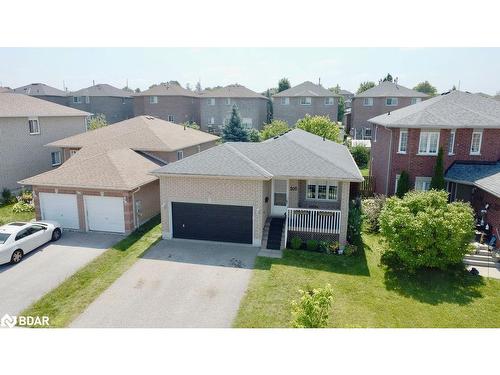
(476, 69)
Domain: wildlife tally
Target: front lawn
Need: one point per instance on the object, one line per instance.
(7, 216)
(368, 295)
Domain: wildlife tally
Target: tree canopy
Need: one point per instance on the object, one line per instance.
(363, 86)
(387, 78)
(234, 130)
(320, 125)
(97, 121)
(283, 84)
(276, 127)
(426, 88)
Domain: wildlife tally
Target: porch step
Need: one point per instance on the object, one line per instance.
(275, 233)
(480, 263)
(482, 258)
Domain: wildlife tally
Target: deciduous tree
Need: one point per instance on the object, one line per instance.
(363, 86)
(276, 127)
(320, 125)
(426, 88)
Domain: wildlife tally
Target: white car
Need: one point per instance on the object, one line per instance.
(19, 238)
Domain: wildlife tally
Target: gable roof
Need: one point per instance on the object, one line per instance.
(485, 176)
(169, 89)
(19, 105)
(295, 154)
(232, 91)
(102, 89)
(391, 89)
(345, 92)
(455, 109)
(306, 89)
(36, 89)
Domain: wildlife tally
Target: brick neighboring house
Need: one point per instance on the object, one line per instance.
(305, 99)
(216, 106)
(104, 183)
(45, 92)
(383, 98)
(112, 102)
(465, 125)
(170, 102)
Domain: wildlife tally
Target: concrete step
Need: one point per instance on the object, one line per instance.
(479, 257)
(480, 263)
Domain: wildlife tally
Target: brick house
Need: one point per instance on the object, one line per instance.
(465, 125)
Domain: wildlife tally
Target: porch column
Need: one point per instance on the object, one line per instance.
(344, 209)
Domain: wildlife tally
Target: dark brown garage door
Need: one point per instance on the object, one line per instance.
(212, 222)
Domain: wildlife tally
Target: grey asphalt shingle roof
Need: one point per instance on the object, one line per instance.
(232, 91)
(306, 89)
(102, 89)
(35, 89)
(170, 89)
(294, 154)
(390, 89)
(19, 105)
(4, 89)
(455, 109)
(485, 176)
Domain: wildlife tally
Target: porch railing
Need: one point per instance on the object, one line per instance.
(313, 220)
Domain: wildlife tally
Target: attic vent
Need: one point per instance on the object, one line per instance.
(150, 117)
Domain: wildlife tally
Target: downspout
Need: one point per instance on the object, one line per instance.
(389, 164)
(133, 206)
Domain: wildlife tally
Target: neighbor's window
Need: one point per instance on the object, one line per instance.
(305, 100)
(77, 99)
(429, 142)
(170, 118)
(153, 100)
(403, 141)
(56, 158)
(415, 100)
(475, 144)
(228, 101)
(368, 102)
(87, 99)
(285, 101)
(34, 126)
(329, 101)
(180, 154)
(322, 190)
(211, 101)
(246, 122)
(212, 121)
(396, 184)
(451, 143)
(391, 102)
(423, 183)
(368, 134)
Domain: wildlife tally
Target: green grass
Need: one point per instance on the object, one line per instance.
(367, 294)
(64, 303)
(7, 216)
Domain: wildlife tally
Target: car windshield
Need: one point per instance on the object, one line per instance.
(4, 237)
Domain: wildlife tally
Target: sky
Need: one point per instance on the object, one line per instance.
(474, 69)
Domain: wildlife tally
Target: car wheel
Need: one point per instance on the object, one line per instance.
(56, 234)
(17, 256)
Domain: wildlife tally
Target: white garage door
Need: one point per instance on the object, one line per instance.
(61, 208)
(105, 214)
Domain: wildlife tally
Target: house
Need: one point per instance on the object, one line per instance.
(45, 92)
(465, 125)
(385, 97)
(26, 125)
(242, 192)
(170, 102)
(347, 95)
(115, 104)
(4, 89)
(104, 183)
(216, 106)
(305, 99)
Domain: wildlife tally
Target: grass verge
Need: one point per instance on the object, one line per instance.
(64, 303)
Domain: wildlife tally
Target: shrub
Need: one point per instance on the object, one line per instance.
(354, 222)
(276, 127)
(313, 308)
(312, 245)
(350, 249)
(403, 184)
(253, 135)
(361, 155)
(6, 196)
(424, 230)
(371, 208)
(296, 243)
(437, 181)
(26, 197)
(21, 206)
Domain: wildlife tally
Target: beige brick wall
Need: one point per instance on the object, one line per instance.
(149, 195)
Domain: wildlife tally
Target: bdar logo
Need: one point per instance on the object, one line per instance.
(8, 321)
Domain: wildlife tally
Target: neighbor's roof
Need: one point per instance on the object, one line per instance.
(345, 92)
(170, 89)
(36, 89)
(19, 105)
(5, 89)
(306, 89)
(485, 176)
(391, 89)
(455, 109)
(232, 91)
(295, 154)
(102, 89)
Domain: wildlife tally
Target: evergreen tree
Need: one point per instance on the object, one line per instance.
(388, 78)
(234, 130)
(437, 181)
(283, 84)
(403, 184)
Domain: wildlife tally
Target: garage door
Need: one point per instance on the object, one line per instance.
(212, 222)
(105, 214)
(62, 208)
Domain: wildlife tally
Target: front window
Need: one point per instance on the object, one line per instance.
(429, 142)
(170, 118)
(305, 100)
(285, 101)
(475, 145)
(391, 102)
(329, 101)
(180, 155)
(228, 101)
(415, 100)
(56, 158)
(451, 143)
(368, 102)
(403, 141)
(34, 126)
(423, 183)
(322, 190)
(211, 101)
(153, 100)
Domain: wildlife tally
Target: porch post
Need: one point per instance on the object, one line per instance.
(344, 213)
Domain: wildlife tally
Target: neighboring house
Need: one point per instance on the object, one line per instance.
(383, 98)
(104, 183)
(240, 191)
(305, 99)
(465, 125)
(42, 91)
(169, 102)
(5, 89)
(26, 125)
(347, 95)
(216, 106)
(112, 102)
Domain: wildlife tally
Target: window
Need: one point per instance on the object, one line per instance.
(475, 144)
(285, 101)
(246, 122)
(329, 101)
(227, 101)
(368, 133)
(77, 99)
(22, 234)
(428, 144)
(212, 121)
(358, 133)
(451, 143)
(211, 101)
(423, 183)
(322, 190)
(56, 158)
(403, 141)
(170, 118)
(415, 100)
(368, 102)
(180, 154)
(34, 126)
(123, 100)
(305, 100)
(153, 100)
(87, 99)
(396, 184)
(391, 102)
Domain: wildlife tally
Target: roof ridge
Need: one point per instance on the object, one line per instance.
(249, 161)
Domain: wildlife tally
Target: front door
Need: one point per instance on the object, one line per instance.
(279, 202)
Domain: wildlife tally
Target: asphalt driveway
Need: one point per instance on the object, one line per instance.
(177, 283)
(45, 268)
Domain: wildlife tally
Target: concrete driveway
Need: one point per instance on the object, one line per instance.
(177, 283)
(45, 268)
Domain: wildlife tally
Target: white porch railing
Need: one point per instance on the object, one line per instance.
(312, 221)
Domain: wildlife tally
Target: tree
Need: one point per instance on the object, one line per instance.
(341, 109)
(426, 88)
(276, 127)
(320, 125)
(335, 89)
(253, 135)
(192, 125)
(387, 78)
(283, 84)
(403, 185)
(437, 181)
(363, 86)
(424, 230)
(188, 86)
(198, 88)
(234, 130)
(97, 122)
(138, 90)
(361, 155)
